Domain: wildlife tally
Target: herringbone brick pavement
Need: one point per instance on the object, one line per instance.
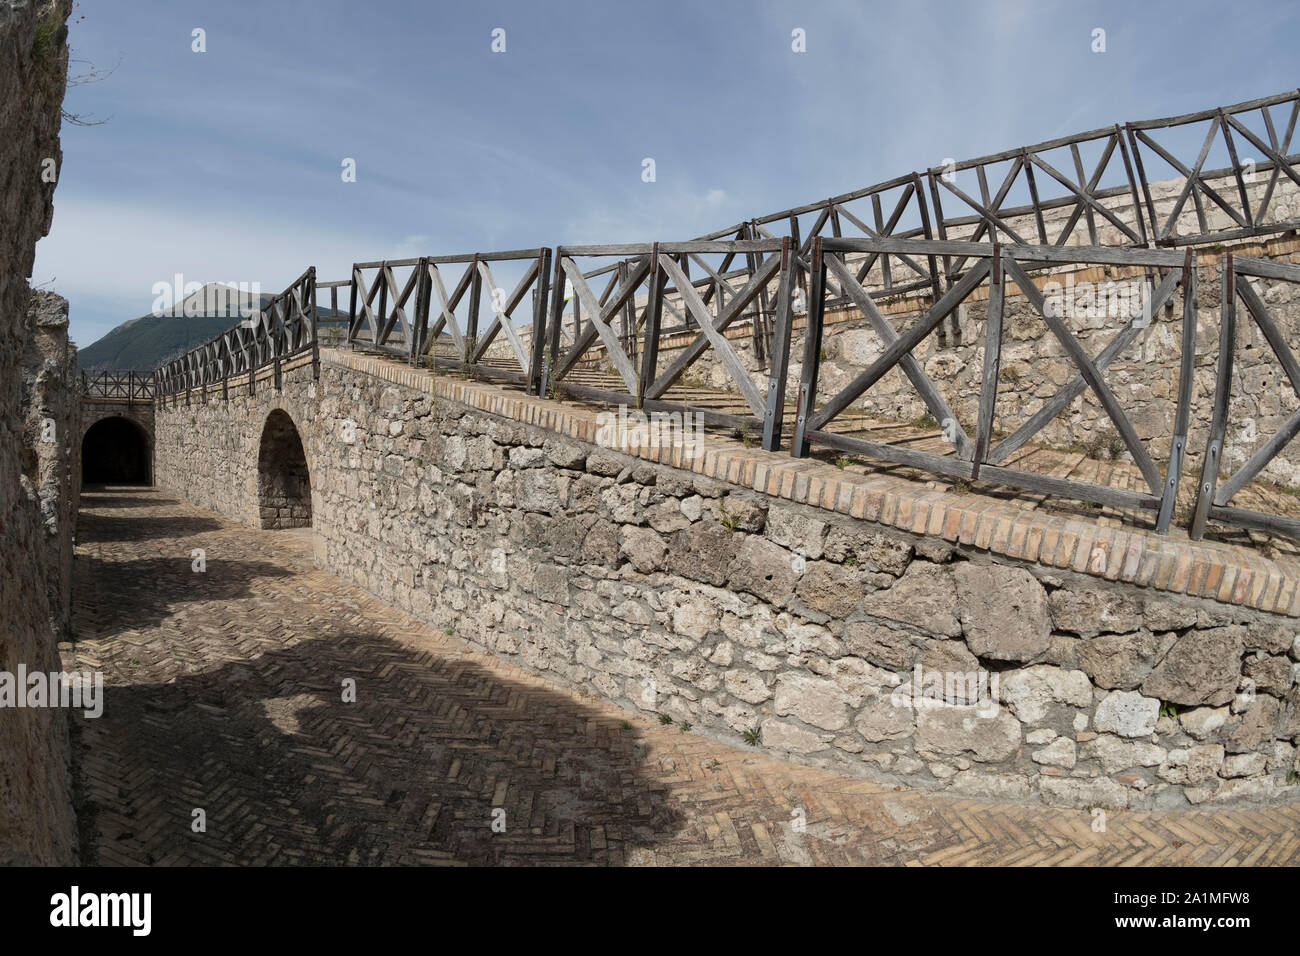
(224, 692)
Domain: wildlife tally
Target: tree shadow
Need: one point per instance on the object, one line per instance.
(109, 496)
(107, 527)
(415, 771)
(116, 595)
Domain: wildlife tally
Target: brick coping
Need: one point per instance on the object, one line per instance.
(1222, 572)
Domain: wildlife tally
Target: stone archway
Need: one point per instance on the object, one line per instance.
(115, 451)
(283, 480)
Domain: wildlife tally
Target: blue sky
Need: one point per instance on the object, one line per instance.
(226, 165)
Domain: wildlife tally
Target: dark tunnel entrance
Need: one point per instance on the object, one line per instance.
(283, 481)
(115, 451)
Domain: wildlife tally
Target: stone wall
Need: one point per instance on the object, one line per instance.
(52, 442)
(37, 823)
(755, 620)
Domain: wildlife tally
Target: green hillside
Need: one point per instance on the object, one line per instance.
(145, 343)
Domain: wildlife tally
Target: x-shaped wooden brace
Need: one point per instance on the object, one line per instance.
(1276, 151)
(501, 318)
(1053, 407)
(884, 230)
(720, 283)
(211, 362)
(1194, 185)
(934, 401)
(447, 305)
(990, 211)
(726, 354)
(248, 341)
(366, 316)
(237, 345)
(900, 347)
(1084, 193)
(397, 302)
(1090, 373)
(254, 335)
(711, 330)
(297, 324)
(1277, 341)
(599, 316)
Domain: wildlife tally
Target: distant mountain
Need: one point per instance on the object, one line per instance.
(145, 343)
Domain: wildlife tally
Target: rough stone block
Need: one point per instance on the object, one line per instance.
(1128, 714)
(962, 730)
(1201, 668)
(1003, 612)
(923, 597)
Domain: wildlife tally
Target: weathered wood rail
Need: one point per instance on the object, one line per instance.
(283, 329)
(406, 317)
(129, 386)
(708, 306)
(1213, 499)
(979, 457)
(1099, 187)
(589, 321)
(1075, 204)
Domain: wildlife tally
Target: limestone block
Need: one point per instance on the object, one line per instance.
(813, 700)
(763, 569)
(1032, 691)
(1201, 668)
(1127, 713)
(962, 730)
(923, 597)
(1003, 611)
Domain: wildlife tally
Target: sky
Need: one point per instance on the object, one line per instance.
(227, 165)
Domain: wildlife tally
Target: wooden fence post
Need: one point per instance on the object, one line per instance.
(812, 344)
(1222, 393)
(779, 354)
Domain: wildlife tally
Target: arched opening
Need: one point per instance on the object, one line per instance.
(115, 451)
(283, 483)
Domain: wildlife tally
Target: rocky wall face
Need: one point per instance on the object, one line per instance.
(52, 442)
(809, 634)
(37, 822)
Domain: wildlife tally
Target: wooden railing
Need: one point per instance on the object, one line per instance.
(1213, 499)
(1087, 199)
(1093, 188)
(1053, 193)
(283, 329)
(125, 386)
(627, 321)
(406, 317)
(980, 456)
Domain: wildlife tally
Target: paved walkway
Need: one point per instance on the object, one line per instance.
(224, 693)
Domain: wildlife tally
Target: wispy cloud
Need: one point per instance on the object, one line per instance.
(226, 165)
